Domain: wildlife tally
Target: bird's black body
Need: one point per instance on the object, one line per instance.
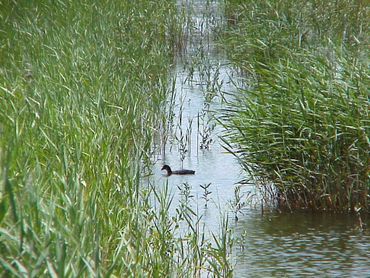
(177, 172)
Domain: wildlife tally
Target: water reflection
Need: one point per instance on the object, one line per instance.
(203, 80)
(301, 244)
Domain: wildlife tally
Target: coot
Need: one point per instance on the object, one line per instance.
(177, 172)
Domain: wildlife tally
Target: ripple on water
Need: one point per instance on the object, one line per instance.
(277, 244)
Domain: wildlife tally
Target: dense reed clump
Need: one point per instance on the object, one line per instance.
(81, 89)
(303, 124)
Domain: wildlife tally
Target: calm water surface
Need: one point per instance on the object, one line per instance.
(301, 245)
(266, 244)
(201, 72)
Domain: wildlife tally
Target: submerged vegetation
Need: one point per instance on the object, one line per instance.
(82, 89)
(301, 127)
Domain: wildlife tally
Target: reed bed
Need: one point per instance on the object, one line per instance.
(82, 87)
(301, 127)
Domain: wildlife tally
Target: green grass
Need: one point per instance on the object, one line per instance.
(82, 87)
(303, 123)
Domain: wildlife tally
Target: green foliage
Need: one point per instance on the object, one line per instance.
(82, 85)
(264, 31)
(303, 124)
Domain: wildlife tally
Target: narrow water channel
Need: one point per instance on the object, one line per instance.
(203, 79)
(266, 244)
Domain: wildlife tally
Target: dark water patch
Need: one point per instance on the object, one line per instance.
(301, 244)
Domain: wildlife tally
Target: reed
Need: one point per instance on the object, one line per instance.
(82, 85)
(206, 193)
(303, 124)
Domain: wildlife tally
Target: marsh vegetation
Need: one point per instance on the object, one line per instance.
(301, 127)
(92, 93)
(83, 88)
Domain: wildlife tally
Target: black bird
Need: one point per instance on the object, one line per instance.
(177, 172)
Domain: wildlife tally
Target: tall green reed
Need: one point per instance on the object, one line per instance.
(82, 86)
(82, 89)
(302, 125)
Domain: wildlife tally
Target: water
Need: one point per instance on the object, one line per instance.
(202, 78)
(301, 244)
(266, 244)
